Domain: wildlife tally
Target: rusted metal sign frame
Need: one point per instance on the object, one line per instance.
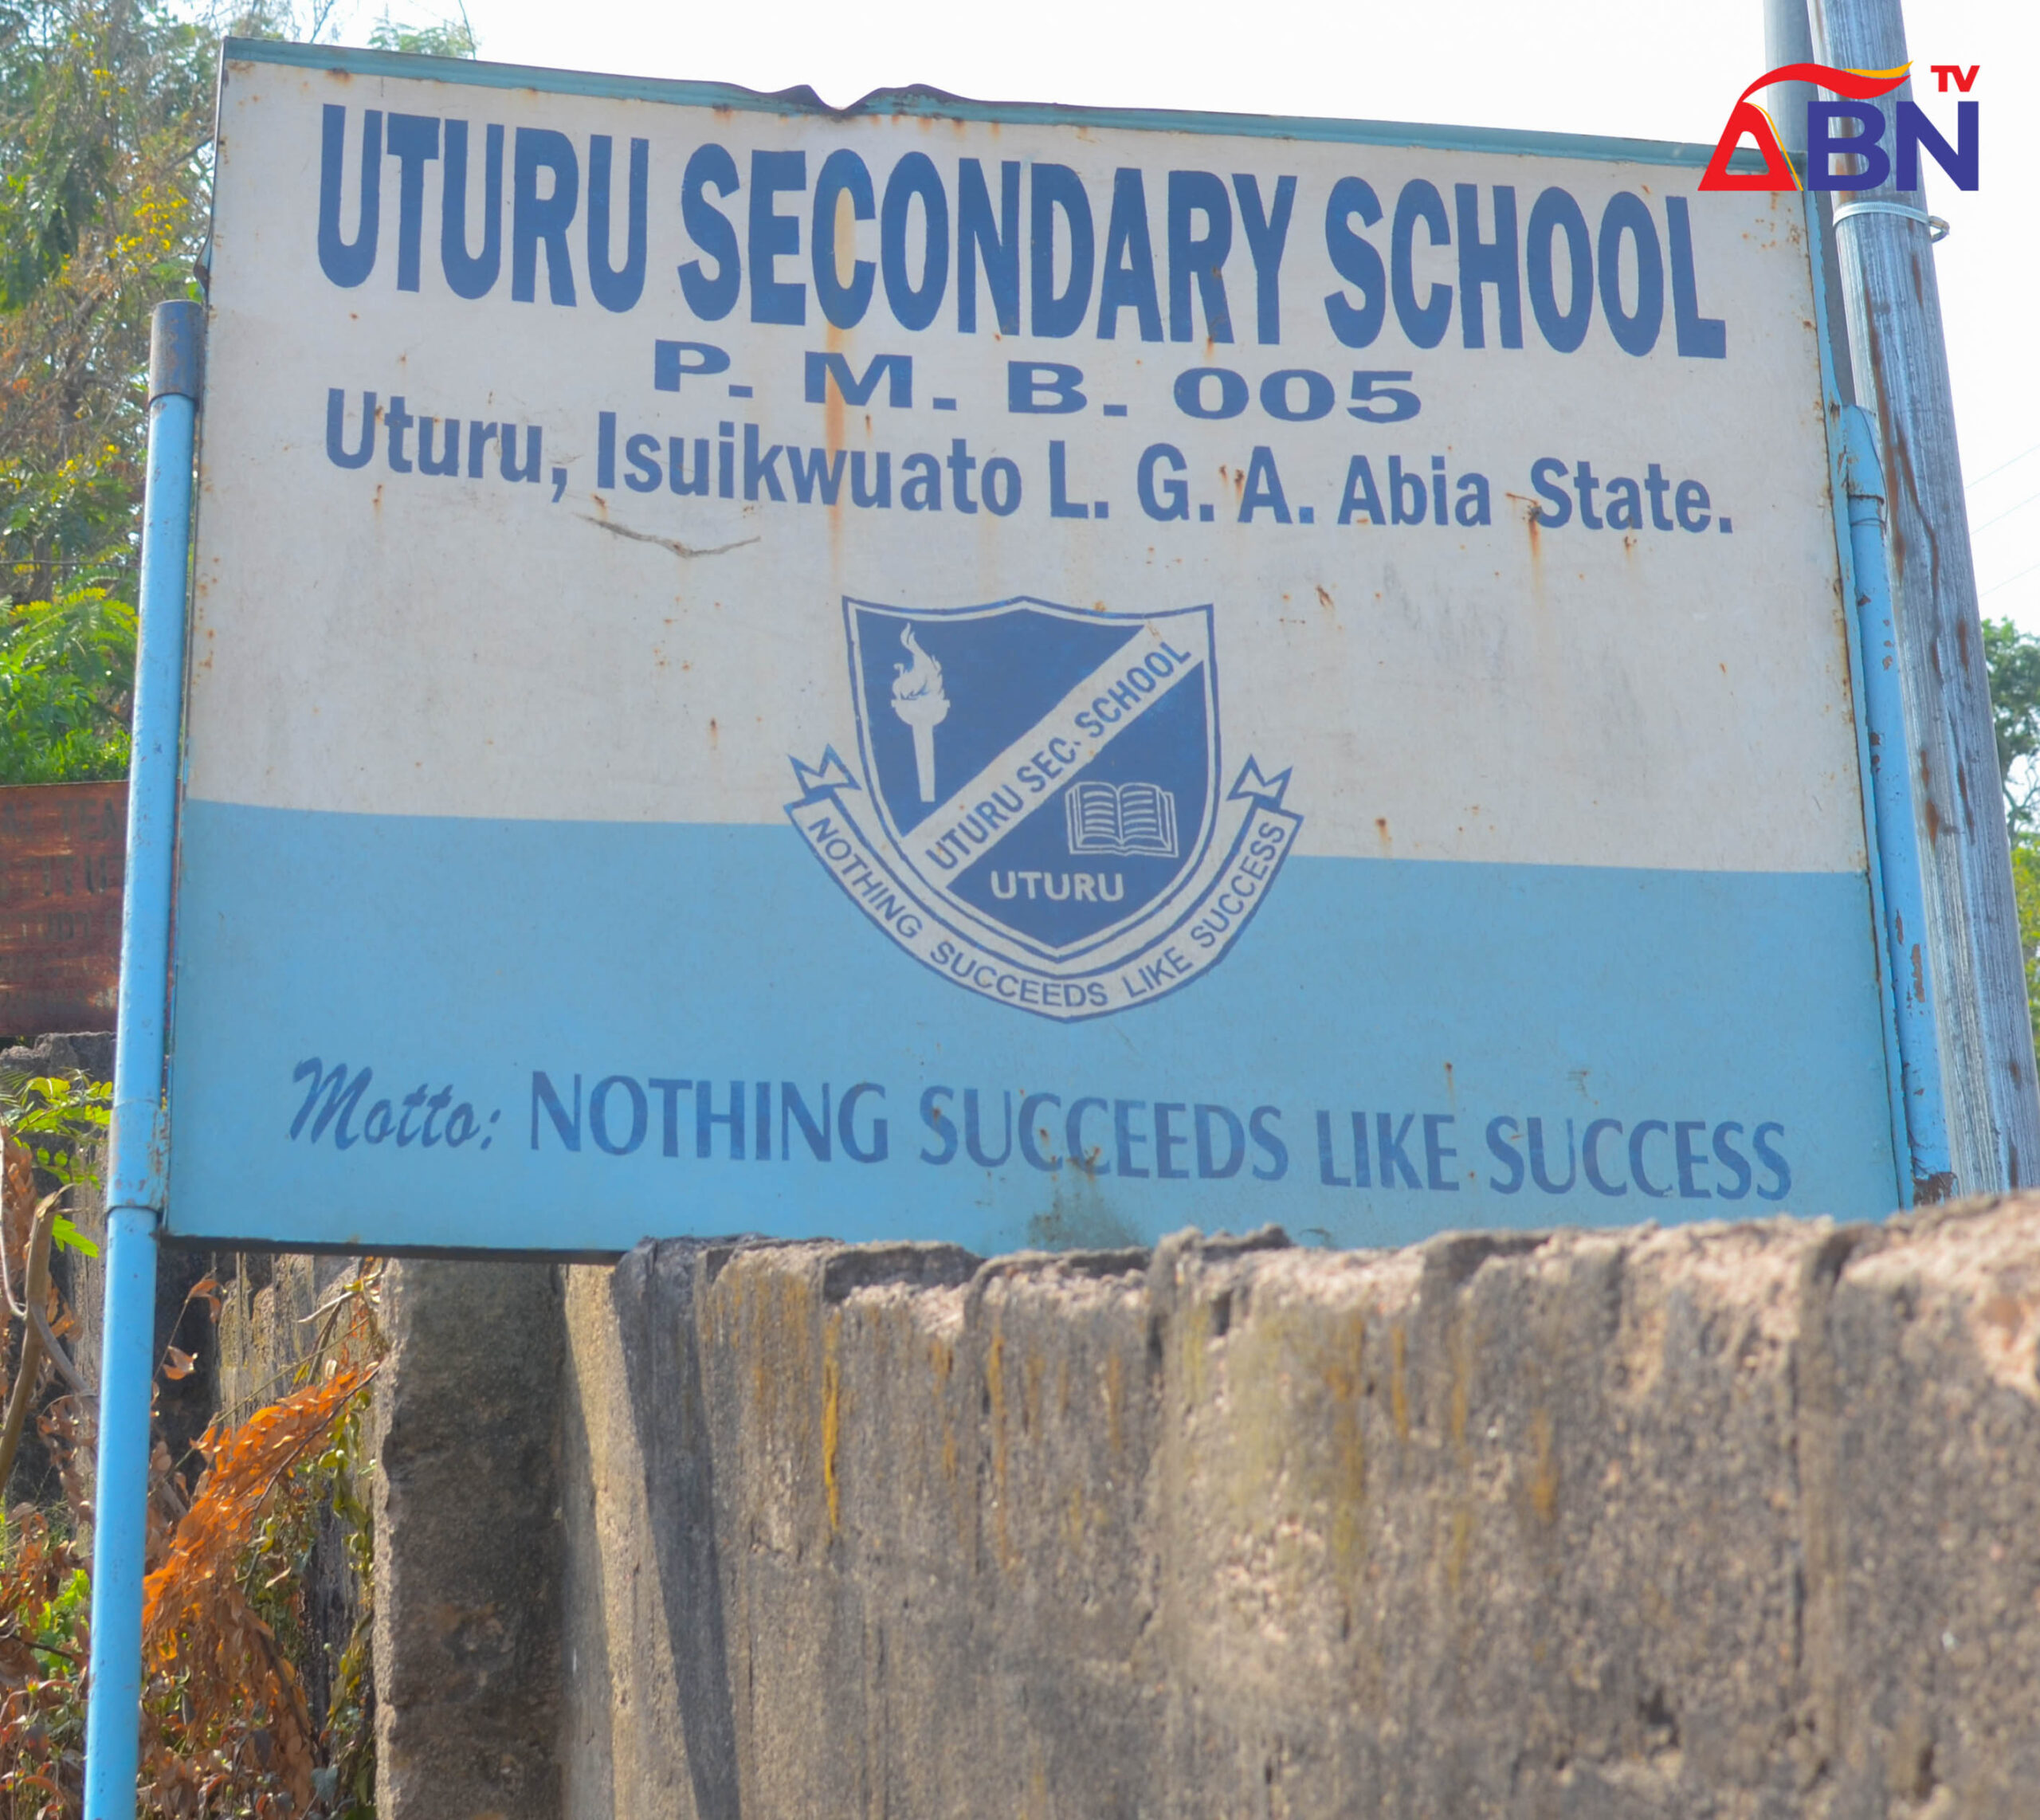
(927, 104)
(1918, 1115)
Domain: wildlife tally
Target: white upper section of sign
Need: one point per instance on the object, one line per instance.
(1668, 690)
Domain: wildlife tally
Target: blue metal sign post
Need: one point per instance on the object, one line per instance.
(1898, 844)
(136, 1168)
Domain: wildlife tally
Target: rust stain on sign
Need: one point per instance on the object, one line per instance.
(62, 849)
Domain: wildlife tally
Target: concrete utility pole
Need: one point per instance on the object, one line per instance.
(1901, 377)
(1788, 37)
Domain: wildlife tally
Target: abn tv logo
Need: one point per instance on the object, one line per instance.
(1859, 91)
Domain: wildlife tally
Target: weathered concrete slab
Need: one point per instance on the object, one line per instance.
(467, 1521)
(1721, 1521)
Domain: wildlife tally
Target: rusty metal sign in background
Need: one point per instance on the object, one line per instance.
(62, 847)
(1005, 673)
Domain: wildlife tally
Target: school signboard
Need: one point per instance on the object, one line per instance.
(1012, 674)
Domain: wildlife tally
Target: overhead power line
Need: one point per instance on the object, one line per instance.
(2009, 579)
(2013, 463)
(2007, 513)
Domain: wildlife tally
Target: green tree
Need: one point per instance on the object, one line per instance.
(105, 126)
(106, 122)
(446, 38)
(2026, 889)
(2012, 660)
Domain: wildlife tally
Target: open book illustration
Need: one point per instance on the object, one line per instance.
(1128, 819)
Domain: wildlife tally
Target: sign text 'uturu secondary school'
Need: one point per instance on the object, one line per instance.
(1008, 674)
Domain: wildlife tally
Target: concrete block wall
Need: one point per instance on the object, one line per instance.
(1713, 1521)
(467, 1523)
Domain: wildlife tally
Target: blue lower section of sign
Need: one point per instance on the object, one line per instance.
(713, 1042)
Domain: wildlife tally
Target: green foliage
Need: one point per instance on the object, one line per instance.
(225, 1730)
(67, 679)
(105, 168)
(46, 1594)
(105, 133)
(2012, 660)
(67, 633)
(447, 37)
(105, 127)
(2026, 889)
(56, 103)
(82, 504)
(63, 1119)
(57, 1631)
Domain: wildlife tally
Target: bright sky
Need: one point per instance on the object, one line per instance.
(1629, 67)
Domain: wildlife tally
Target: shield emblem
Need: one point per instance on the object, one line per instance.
(1039, 814)
(1049, 775)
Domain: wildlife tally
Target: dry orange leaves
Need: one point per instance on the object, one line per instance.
(226, 1725)
(199, 1628)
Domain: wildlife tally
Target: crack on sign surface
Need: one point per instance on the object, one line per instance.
(684, 551)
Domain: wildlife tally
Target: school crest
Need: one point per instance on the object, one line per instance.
(1040, 811)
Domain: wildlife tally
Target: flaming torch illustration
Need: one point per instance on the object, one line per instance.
(918, 700)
